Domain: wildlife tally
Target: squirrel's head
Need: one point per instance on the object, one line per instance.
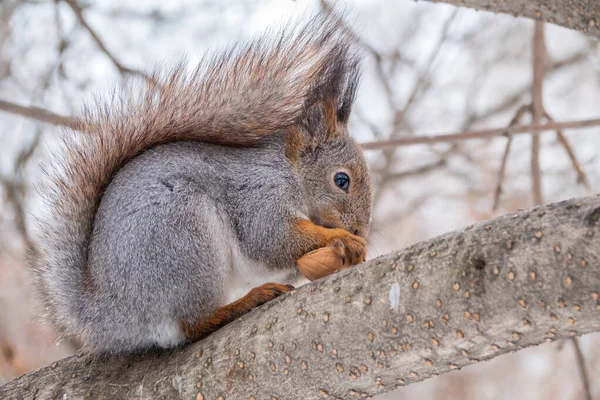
(338, 185)
(331, 165)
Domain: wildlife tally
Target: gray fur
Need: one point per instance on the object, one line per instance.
(164, 233)
(161, 248)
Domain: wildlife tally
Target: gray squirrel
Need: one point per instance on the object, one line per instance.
(177, 206)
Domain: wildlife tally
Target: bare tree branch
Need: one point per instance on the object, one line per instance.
(516, 119)
(122, 69)
(579, 15)
(479, 134)
(581, 177)
(40, 114)
(399, 118)
(537, 108)
(581, 367)
(424, 169)
(327, 9)
(12, 196)
(510, 100)
(440, 305)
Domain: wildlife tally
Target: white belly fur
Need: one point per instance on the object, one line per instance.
(246, 274)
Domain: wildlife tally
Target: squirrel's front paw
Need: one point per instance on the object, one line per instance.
(350, 248)
(268, 291)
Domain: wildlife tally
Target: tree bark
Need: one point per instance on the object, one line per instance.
(463, 297)
(579, 15)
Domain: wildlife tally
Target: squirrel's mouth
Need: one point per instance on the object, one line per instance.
(327, 221)
(333, 221)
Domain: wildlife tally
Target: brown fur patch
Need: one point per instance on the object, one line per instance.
(224, 315)
(88, 281)
(330, 119)
(293, 144)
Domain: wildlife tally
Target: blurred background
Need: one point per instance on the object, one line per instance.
(428, 69)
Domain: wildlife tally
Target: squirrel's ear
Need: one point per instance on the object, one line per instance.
(327, 114)
(326, 117)
(328, 104)
(336, 103)
(344, 106)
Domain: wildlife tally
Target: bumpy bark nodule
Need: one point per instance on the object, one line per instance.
(452, 301)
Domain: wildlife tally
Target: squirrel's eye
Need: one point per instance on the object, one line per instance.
(342, 181)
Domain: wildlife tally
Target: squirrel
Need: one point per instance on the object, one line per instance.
(178, 206)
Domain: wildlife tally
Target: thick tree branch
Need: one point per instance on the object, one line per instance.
(579, 15)
(463, 297)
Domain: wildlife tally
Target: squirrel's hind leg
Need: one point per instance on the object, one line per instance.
(224, 315)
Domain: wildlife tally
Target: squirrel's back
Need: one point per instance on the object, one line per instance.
(235, 97)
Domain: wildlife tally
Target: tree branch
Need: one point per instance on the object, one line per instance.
(537, 108)
(466, 296)
(582, 370)
(40, 114)
(581, 176)
(424, 169)
(122, 69)
(579, 15)
(516, 119)
(509, 101)
(480, 134)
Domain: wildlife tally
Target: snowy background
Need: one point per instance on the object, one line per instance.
(428, 69)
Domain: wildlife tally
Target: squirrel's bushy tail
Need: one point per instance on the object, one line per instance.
(234, 97)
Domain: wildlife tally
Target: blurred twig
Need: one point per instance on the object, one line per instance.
(15, 187)
(39, 114)
(479, 134)
(581, 177)
(582, 370)
(537, 109)
(12, 195)
(122, 69)
(509, 101)
(328, 9)
(399, 118)
(516, 119)
(416, 171)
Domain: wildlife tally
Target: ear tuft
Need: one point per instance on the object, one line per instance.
(347, 100)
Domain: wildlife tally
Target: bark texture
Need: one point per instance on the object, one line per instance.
(579, 15)
(452, 301)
